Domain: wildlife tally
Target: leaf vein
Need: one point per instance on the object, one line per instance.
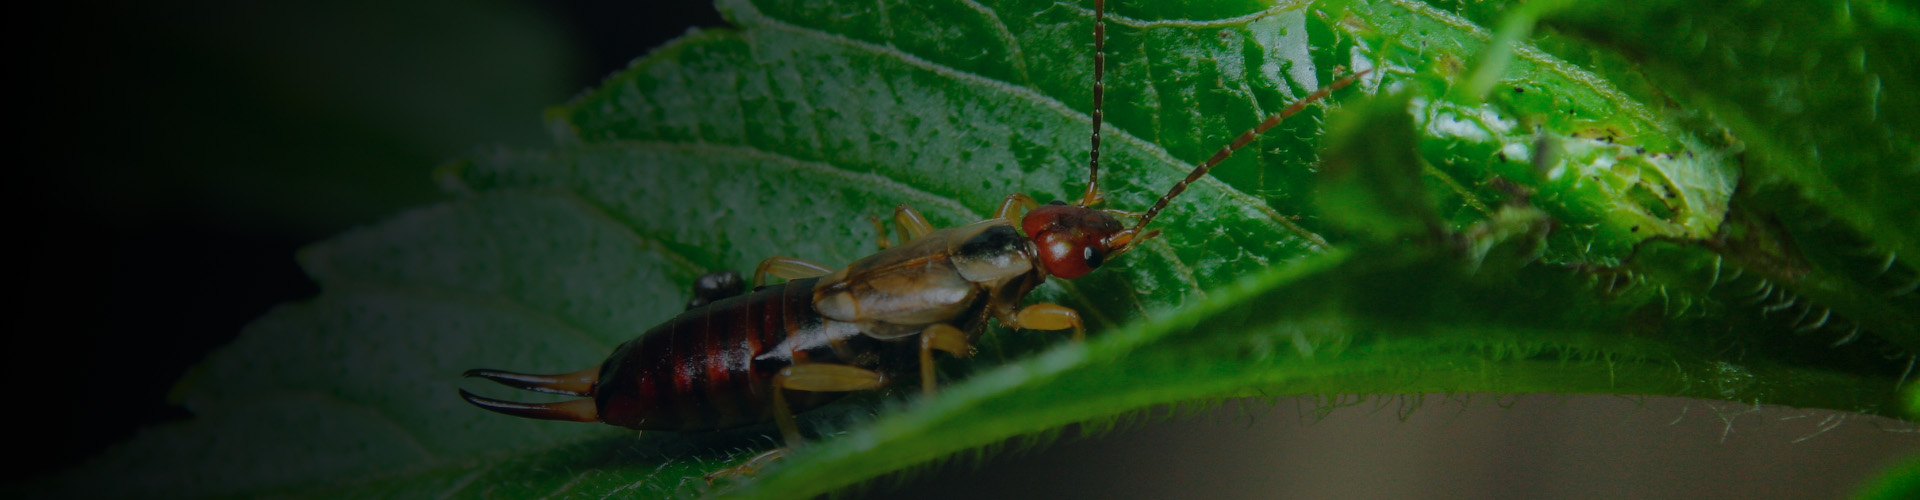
(570, 483)
(868, 180)
(408, 435)
(631, 230)
(1016, 55)
(465, 481)
(1043, 101)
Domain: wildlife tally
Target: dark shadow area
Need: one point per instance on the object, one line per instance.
(179, 155)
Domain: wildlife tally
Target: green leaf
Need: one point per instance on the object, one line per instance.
(1824, 104)
(1820, 103)
(1580, 251)
(1371, 190)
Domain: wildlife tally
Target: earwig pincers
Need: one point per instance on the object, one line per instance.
(735, 357)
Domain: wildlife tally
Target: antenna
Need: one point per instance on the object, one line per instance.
(1099, 94)
(1239, 142)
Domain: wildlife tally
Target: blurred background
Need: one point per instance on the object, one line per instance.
(1433, 446)
(180, 154)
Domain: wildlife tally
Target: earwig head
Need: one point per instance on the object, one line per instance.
(1072, 240)
(1075, 239)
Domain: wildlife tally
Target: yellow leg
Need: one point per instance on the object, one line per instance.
(787, 268)
(912, 226)
(829, 377)
(942, 337)
(812, 377)
(816, 377)
(911, 222)
(880, 230)
(1015, 203)
(1048, 316)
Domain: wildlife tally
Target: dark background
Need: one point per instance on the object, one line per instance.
(180, 155)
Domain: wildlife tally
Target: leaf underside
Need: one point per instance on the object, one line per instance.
(1581, 227)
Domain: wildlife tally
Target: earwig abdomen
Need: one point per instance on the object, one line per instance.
(713, 367)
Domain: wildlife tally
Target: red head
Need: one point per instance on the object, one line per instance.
(1071, 240)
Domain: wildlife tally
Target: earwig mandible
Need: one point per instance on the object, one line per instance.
(735, 358)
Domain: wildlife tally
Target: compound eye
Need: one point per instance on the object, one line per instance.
(1094, 257)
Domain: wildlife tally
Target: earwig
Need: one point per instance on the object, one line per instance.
(736, 358)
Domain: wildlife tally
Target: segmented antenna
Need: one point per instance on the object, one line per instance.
(1239, 142)
(1099, 94)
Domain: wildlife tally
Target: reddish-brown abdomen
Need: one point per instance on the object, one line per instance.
(713, 367)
